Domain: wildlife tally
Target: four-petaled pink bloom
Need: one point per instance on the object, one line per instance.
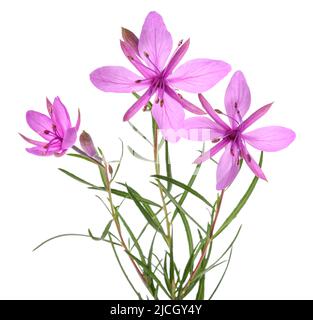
(234, 137)
(56, 129)
(159, 76)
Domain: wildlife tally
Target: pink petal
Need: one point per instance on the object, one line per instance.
(40, 123)
(60, 116)
(132, 57)
(272, 138)
(45, 151)
(169, 115)
(254, 117)
(35, 142)
(200, 129)
(141, 102)
(212, 152)
(38, 151)
(155, 41)
(185, 103)
(198, 75)
(252, 164)
(228, 167)
(211, 112)
(176, 58)
(69, 139)
(237, 98)
(116, 79)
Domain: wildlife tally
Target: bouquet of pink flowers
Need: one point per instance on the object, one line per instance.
(162, 78)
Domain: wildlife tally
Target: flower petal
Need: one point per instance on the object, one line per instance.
(252, 164)
(39, 151)
(254, 117)
(69, 139)
(169, 115)
(116, 79)
(176, 58)
(237, 98)
(228, 167)
(40, 123)
(199, 75)
(134, 60)
(212, 152)
(200, 129)
(273, 138)
(211, 112)
(60, 116)
(155, 41)
(185, 103)
(142, 101)
(35, 142)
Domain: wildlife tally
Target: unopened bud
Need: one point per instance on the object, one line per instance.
(130, 38)
(87, 144)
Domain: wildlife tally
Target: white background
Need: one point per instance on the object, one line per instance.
(48, 48)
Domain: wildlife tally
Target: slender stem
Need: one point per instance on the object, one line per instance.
(107, 186)
(208, 242)
(157, 172)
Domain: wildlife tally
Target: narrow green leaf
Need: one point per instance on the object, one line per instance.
(241, 203)
(131, 234)
(123, 270)
(67, 235)
(168, 167)
(151, 219)
(179, 208)
(223, 275)
(137, 155)
(187, 188)
(124, 194)
(92, 236)
(106, 230)
(140, 133)
(80, 156)
(150, 274)
(73, 176)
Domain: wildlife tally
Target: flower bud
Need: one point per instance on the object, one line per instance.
(87, 144)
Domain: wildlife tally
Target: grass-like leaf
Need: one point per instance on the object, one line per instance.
(140, 133)
(168, 167)
(185, 187)
(73, 176)
(137, 155)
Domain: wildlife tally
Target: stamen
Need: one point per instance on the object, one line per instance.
(161, 102)
(157, 100)
(46, 132)
(238, 162)
(180, 96)
(216, 140)
(130, 58)
(146, 54)
(137, 81)
(180, 42)
(226, 115)
(232, 151)
(248, 157)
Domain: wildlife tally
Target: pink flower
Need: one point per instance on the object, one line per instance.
(234, 137)
(56, 129)
(149, 55)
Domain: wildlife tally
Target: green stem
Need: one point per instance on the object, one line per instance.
(157, 171)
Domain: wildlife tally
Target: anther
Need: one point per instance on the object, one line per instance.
(180, 42)
(137, 81)
(216, 140)
(130, 58)
(146, 54)
(161, 102)
(180, 96)
(248, 157)
(46, 132)
(157, 100)
(218, 111)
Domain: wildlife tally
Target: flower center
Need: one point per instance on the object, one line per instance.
(233, 134)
